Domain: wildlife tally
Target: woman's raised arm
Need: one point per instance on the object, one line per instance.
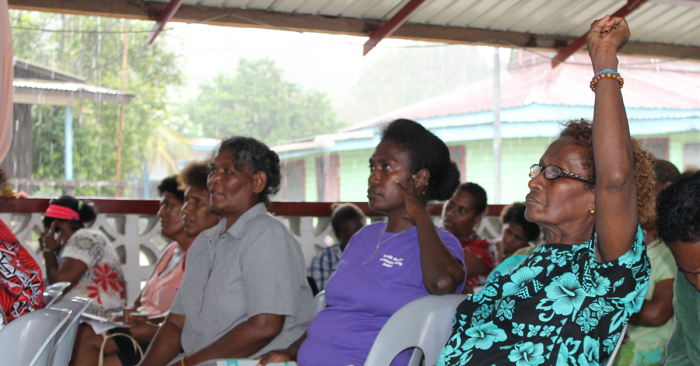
(616, 214)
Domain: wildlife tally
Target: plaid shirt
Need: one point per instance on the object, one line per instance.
(324, 264)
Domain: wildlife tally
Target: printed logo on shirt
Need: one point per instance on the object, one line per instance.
(390, 261)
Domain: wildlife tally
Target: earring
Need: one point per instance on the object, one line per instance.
(592, 212)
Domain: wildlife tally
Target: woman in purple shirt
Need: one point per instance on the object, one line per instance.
(386, 265)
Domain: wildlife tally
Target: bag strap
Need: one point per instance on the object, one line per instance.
(106, 337)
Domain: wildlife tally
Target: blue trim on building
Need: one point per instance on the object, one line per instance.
(538, 120)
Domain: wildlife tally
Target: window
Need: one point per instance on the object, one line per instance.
(691, 156)
(457, 154)
(328, 178)
(658, 147)
(292, 187)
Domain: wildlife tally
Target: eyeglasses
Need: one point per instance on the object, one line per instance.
(553, 172)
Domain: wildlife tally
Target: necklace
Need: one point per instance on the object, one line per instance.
(655, 243)
(379, 243)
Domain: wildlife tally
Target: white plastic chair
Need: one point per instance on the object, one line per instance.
(3, 318)
(54, 293)
(611, 360)
(29, 339)
(63, 349)
(319, 301)
(424, 324)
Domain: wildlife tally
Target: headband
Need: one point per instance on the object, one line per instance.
(62, 213)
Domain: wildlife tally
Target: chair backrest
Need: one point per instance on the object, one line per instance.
(425, 324)
(319, 302)
(611, 360)
(65, 338)
(54, 293)
(29, 339)
(3, 318)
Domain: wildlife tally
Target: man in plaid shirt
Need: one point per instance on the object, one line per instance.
(346, 220)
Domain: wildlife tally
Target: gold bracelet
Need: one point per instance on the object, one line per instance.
(182, 362)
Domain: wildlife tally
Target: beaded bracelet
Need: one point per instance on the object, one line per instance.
(607, 73)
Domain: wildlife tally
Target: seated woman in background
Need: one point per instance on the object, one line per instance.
(346, 220)
(517, 235)
(463, 213)
(21, 283)
(677, 218)
(387, 264)
(244, 291)
(568, 302)
(83, 257)
(649, 329)
(159, 292)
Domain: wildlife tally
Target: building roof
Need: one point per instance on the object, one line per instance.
(36, 91)
(662, 28)
(531, 80)
(25, 69)
(34, 83)
(571, 18)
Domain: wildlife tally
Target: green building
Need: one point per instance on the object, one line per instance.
(662, 102)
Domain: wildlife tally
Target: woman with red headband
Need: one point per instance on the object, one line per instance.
(83, 257)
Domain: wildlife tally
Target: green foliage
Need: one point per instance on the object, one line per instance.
(98, 58)
(256, 102)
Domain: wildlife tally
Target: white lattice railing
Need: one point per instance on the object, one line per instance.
(134, 229)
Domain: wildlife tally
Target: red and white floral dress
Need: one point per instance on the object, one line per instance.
(483, 249)
(104, 278)
(21, 284)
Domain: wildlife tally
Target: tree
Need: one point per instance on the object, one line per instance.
(84, 46)
(256, 102)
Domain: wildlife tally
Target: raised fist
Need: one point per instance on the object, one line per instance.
(607, 35)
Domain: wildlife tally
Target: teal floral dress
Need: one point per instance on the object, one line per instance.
(558, 307)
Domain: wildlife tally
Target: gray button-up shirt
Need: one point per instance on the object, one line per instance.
(255, 267)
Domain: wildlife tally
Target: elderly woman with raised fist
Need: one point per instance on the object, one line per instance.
(569, 301)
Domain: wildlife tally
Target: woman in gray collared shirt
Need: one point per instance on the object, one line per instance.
(244, 291)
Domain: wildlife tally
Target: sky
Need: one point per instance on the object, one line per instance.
(331, 63)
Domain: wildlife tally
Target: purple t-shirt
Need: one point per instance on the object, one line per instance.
(364, 292)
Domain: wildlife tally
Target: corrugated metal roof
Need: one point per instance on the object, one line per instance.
(53, 85)
(673, 85)
(660, 21)
(61, 93)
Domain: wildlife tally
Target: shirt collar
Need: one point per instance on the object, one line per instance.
(238, 228)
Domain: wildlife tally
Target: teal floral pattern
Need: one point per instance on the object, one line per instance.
(558, 307)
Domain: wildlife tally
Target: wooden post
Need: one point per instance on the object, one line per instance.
(18, 161)
(121, 114)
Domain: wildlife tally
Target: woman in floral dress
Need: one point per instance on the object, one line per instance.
(83, 257)
(568, 302)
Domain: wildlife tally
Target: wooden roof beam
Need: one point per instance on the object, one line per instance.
(388, 28)
(580, 42)
(163, 19)
(251, 18)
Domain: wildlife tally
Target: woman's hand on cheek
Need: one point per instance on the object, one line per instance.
(415, 200)
(50, 240)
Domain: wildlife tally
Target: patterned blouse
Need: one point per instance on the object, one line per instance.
(21, 284)
(483, 249)
(104, 279)
(558, 307)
